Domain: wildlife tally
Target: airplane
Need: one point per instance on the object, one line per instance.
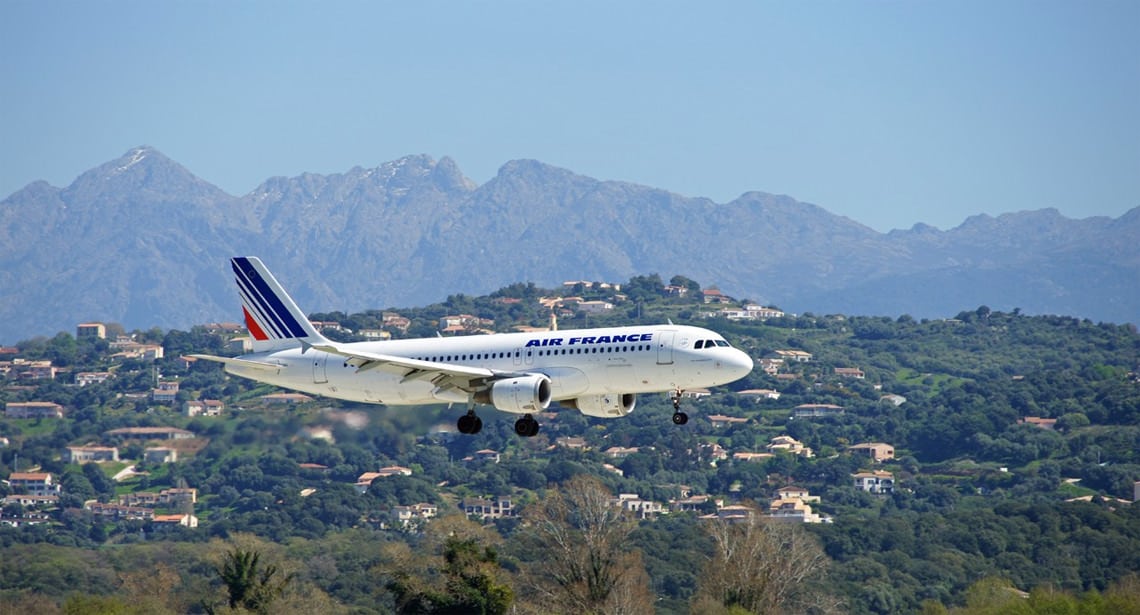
(598, 372)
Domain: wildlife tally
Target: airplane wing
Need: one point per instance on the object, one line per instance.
(443, 375)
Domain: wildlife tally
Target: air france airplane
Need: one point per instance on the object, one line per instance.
(599, 372)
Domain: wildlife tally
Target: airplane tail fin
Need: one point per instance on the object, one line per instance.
(272, 317)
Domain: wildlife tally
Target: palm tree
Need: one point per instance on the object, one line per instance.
(251, 587)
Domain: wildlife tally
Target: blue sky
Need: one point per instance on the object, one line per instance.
(889, 113)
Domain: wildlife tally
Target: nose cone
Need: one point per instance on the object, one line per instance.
(738, 364)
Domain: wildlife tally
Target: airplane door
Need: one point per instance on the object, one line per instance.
(518, 356)
(665, 348)
(320, 376)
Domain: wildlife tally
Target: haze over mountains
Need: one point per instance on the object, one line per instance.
(142, 241)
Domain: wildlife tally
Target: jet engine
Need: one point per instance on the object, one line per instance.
(522, 395)
(610, 406)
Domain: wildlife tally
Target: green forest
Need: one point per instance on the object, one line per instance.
(1016, 444)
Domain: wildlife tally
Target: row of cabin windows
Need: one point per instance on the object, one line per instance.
(541, 353)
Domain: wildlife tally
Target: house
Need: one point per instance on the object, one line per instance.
(392, 320)
(33, 483)
(770, 366)
(160, 454)
(169, 498)
(184, 520)
(329, 325)
(1037, 421)
(203, 407)
(407, 515)
(33, 410)
(595, 307)
(748, 312)
(130, 349)
(720, 420)
(165, 393)
(791, 492)
(620, 452)
(242, 344)
(760, 312)
(151, 433)
(734, 513)
(501, 506)
(571, 442)
(90, 454)
(804, 411)
(32, 501)
(713, 295)
(609, 467)
(877, 451)
(93, 330)
(794, 510)
(799, 356)
(484, 456)
(747, 456)
(759, 394)
(85, 378)
(877, 481)
(24, 369)
(571, 284)
(712, 451)
(693, 503)
(788, 444)
(375, 334)
(642, 509)
(365, 480)
(695, 393)
(223, 328)
(849, 372)
(893, 399)
(118, 512)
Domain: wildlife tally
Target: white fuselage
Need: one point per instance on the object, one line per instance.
(639, 359)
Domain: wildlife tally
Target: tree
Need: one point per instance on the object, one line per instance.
(763, 566)
(577, 542)
(456, 572)
(250, 585)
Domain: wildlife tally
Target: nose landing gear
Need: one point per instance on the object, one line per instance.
(679, 418)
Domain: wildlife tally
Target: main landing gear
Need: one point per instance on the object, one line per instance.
(470, 423)
(526, 427)
(679, 418)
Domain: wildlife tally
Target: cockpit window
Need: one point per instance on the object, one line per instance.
(721, 343)
(700, 344)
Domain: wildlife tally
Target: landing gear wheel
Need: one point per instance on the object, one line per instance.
(469, 423)
(679, 418)
(526, 427)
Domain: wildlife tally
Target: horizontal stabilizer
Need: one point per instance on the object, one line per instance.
(246, 363)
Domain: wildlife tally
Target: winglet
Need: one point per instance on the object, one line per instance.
(271, 315)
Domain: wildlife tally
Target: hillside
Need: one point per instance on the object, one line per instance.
(998, 423)
(142, 241)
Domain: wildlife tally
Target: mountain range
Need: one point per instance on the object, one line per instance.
(142, 241)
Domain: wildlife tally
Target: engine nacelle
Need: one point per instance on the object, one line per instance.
(522, 395)
(609, 406)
